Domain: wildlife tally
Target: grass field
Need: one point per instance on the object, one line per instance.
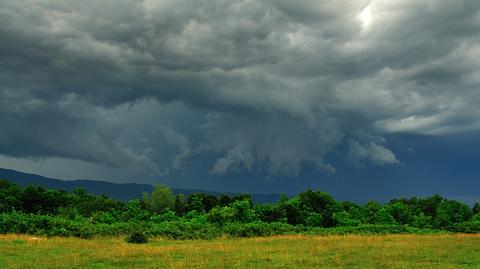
(350, 251)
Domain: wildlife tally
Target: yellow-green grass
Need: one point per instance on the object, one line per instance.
(349, 251)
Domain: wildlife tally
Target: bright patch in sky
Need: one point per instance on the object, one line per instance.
(366, 16)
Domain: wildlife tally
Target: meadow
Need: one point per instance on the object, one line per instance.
(289, 251)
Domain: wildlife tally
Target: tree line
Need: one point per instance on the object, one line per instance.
(37, 210)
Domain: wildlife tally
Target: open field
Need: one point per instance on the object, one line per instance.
(350, 251)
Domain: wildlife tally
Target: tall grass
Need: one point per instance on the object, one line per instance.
(289, 251)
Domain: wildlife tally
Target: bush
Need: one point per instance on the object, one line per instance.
(466, 227)
(314, 219)
(185, 230)
(258, 228)
(221, 215)
(344, 218)
(421, 221)
(85, 232)
(103, 217)
(243, 211)
(476, 217)
(137, 237)
(37, 211)
(165, 217)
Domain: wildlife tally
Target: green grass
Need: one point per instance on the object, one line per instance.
(347, 251)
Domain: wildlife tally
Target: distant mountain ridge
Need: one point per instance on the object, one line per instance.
(121, 191)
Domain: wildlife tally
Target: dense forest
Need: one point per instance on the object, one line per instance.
(39, 211)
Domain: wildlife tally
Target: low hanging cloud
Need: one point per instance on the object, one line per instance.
(375, 153)
(268, 86)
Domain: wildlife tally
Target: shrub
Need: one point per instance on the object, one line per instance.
(466, 227)
(221, 215)
(103, 217)
(421, 221)
(68, 212)
(243, 211)
(165, 217)
(85, 232)
(476, 217)
(344, 218)
(314, 219)
(160, 200)
(270, 213)
(137, 237)
(383, 217)
(57, 213)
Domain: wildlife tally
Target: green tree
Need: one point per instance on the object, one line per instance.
(293, 210)
(195, 202)
(89, 205)
(242, 197)
(422, 221)
(209, 201)
(430, 204)
(180, 205)
(38, 200)
(400, 212)
(243, 211)
(382, 217)
(451, 212)
(355, 211)
(133, 210)
(343, 218)
(377, 214)
(321, 203)
(369, 210)
(160, 200)
(10, 196)
(270, 213)
(476, 208)
(224, 200)
(314, 219)
(221, 215)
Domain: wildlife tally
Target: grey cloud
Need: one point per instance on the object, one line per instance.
(67, 128)
(181, 142)
(265, 86)
(370, 152)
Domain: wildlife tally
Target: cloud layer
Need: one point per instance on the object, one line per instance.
(263, 86)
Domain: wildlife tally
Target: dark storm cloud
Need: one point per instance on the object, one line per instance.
(263, 85)
(70, 129)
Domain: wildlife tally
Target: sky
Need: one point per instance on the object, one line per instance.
(364, 99)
